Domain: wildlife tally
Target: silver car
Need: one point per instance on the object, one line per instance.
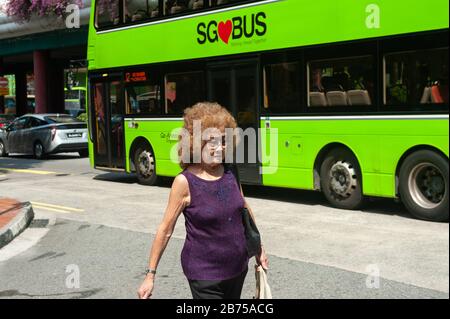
(42, 134)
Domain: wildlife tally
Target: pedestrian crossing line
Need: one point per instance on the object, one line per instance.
(28, 171)
(63, 209)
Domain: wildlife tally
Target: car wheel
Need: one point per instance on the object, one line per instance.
(38, 150)
(2, 149)
(341, 179)
(84, 153)
(144, 162)
(423, 185)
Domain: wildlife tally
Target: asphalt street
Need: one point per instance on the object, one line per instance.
(100, 225)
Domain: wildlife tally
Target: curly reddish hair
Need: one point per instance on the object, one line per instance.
(210, 115)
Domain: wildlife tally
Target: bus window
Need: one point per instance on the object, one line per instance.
(416, 77)
(176, 6)
(183, 90)
(341, 82)
(107, 13)
(75, 101)
(136, 10)
(196, 4)
(143, 99)
(281, 88)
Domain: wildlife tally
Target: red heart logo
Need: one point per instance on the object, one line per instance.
(225, 30)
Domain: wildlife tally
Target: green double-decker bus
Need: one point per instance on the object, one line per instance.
(350, 97)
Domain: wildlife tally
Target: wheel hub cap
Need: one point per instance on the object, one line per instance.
(426, 185)
(146, 163)
(38, 149)
(343, 179)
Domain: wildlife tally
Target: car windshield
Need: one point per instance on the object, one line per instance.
(61, 119)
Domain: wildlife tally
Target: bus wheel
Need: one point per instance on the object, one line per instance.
(340, 179)
(144, 161)
(423, 185)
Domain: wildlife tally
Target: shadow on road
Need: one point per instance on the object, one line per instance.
(115, 177)
(383, 206)
(62, 156)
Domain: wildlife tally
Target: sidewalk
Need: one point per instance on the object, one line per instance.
(14, 218)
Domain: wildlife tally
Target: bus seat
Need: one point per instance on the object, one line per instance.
(138, 16)
(198, 4)
(317, 99)
(155, 12)
(176, 9)
(426, 95)
(436, 95)
(358, 97)
(336, 98)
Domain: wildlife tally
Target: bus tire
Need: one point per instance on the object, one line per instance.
(423, 185)
(3, 149)
(144, 162)
(341, 179)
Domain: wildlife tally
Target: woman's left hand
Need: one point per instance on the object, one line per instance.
(262, 259)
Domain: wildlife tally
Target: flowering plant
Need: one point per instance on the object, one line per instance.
(23, 10)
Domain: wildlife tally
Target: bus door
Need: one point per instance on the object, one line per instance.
(107, 111)
(235, 86)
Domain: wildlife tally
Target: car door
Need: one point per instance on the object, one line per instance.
(16, 141)
(27, 136)
(11, 134)
(40, 131)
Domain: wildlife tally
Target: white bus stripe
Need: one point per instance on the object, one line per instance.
(154, 119)
(306, 118)
(359, 117)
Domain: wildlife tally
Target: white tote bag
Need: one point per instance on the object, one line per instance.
(262, 286)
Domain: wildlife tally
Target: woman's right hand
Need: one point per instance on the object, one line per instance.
(146, 289)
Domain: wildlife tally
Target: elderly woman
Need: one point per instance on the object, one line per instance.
(214, 257)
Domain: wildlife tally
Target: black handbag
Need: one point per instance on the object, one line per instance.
(252, 235)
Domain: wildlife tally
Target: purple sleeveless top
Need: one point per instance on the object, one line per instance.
(215, 246)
